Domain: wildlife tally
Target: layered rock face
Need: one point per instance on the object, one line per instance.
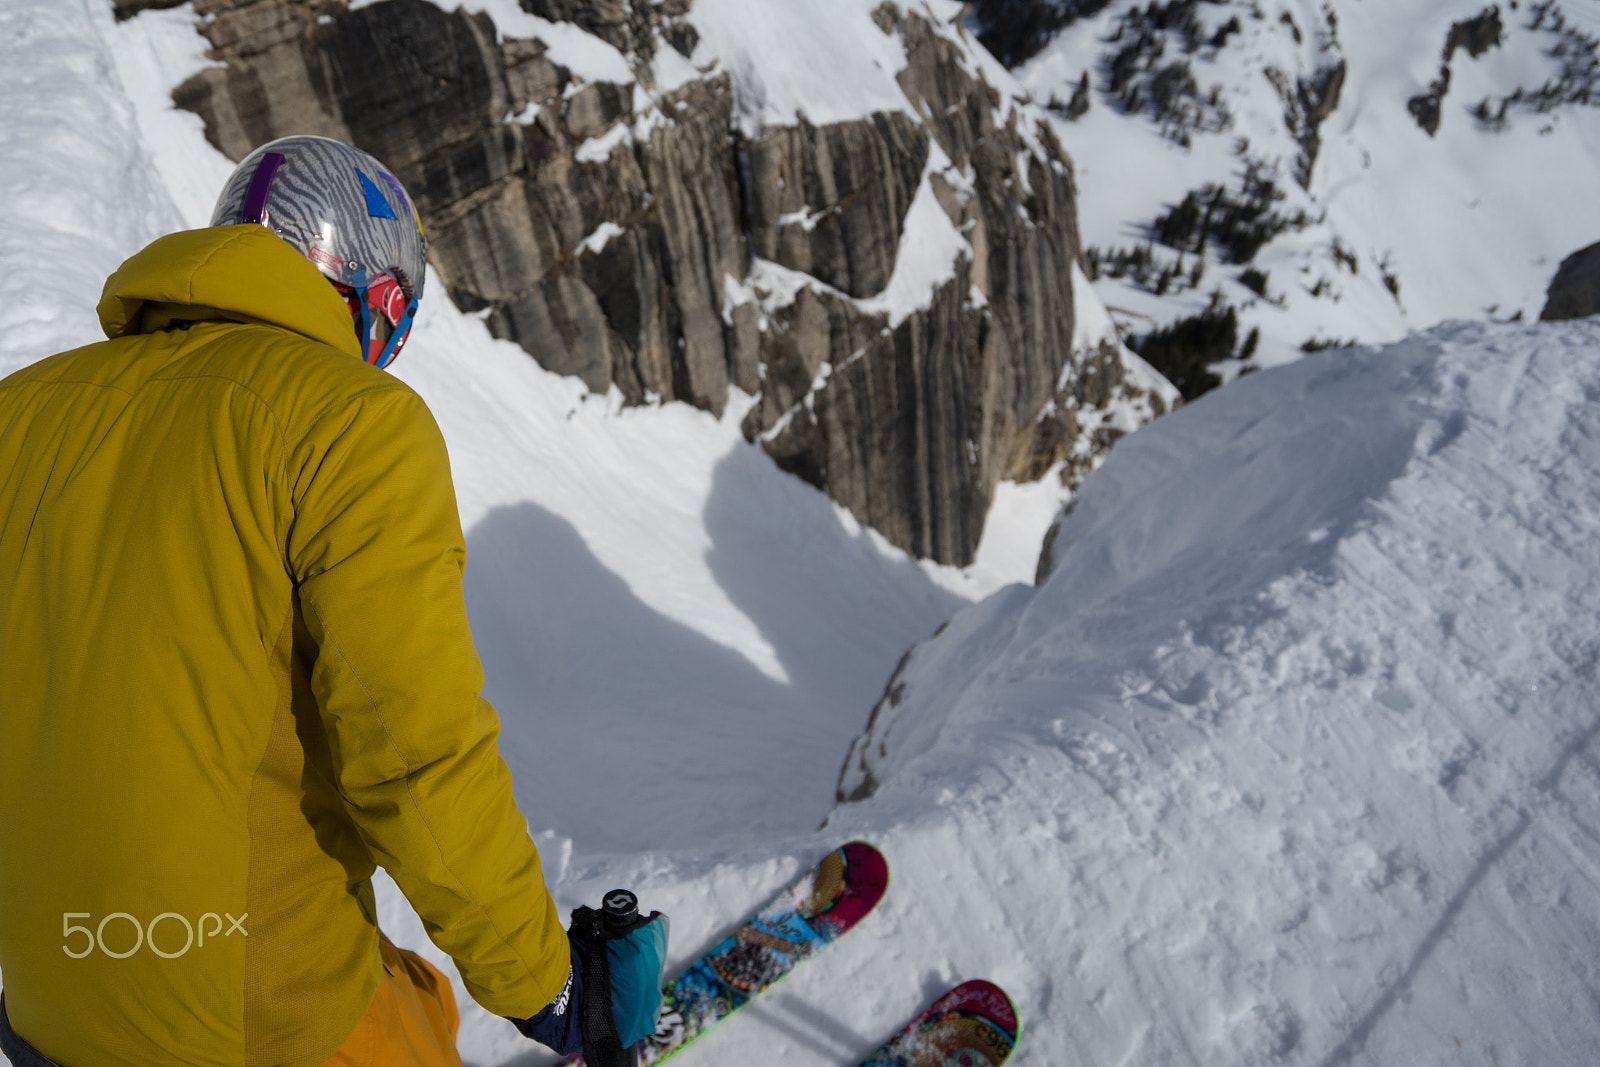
(635, 235)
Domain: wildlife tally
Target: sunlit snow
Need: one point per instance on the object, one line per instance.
(1471, 222)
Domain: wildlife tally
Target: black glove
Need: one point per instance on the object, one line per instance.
(559, 1024)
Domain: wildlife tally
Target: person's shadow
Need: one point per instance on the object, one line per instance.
(628, 730)
(625, 729)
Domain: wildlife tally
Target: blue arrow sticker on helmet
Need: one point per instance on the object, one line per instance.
(377, 206)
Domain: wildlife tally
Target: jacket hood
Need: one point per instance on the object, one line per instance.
(242, 273)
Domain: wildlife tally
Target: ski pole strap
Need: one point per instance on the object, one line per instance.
(602, 1046)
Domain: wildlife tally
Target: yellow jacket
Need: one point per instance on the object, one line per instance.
(235, 672)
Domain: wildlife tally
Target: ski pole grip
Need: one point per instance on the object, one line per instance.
(619, 915)
(621, 910)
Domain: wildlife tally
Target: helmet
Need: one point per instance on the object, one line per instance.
(348, 215)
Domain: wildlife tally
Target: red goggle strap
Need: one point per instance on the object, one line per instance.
(385, 297)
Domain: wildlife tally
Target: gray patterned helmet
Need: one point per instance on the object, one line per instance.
(346, 213)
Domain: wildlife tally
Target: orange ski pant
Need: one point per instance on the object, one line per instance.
(412, 1020)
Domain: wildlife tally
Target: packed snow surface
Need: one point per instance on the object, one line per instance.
(1288, 760)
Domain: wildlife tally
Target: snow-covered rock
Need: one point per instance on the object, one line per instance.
(1334, 171)
(843, 209)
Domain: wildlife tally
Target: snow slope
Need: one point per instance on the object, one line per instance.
(1288, 761)
(1471, 222)
(77, 179)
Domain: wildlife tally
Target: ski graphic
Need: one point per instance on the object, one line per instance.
(795, 925)
(973, 1025)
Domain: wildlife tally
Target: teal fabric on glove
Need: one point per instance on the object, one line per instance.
(637, 960)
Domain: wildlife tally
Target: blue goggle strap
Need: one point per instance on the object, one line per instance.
(398, 337)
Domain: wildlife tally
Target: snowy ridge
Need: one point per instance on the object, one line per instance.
(1299, 727)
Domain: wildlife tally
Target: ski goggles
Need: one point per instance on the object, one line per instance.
(382, 313)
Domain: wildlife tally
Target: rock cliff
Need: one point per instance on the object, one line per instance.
(894, 290)
(1574, 292)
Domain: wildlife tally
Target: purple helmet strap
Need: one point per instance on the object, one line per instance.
(255, 201)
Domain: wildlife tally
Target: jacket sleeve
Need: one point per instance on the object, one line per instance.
(376, 550)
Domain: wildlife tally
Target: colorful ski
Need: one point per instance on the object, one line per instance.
(798, 923)
(973, 1025)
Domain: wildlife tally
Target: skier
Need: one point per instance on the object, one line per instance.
(236, 672)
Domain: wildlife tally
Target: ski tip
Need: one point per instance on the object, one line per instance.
(984, 998)
(865, 864)
(849, 882)
(973, 1024)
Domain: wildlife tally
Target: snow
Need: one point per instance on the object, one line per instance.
(1289, 760)
(1297, 733)
(602, 235)
(1092, 324)
(930, 246)
(672, 71)
(825, 59)
(78, 184)
(642, 566)
(1525, 195)
(173, 52)
(589, 58)
(599, 149)
(1472, 222)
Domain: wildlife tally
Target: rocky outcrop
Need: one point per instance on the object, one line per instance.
(1574, 292)
(630, 234)
(603, 258)
(633, 29)
(831, 201)
(913, 427)
(1477, 35)
(1307, 103)
(1016, 30)
(126, 9)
